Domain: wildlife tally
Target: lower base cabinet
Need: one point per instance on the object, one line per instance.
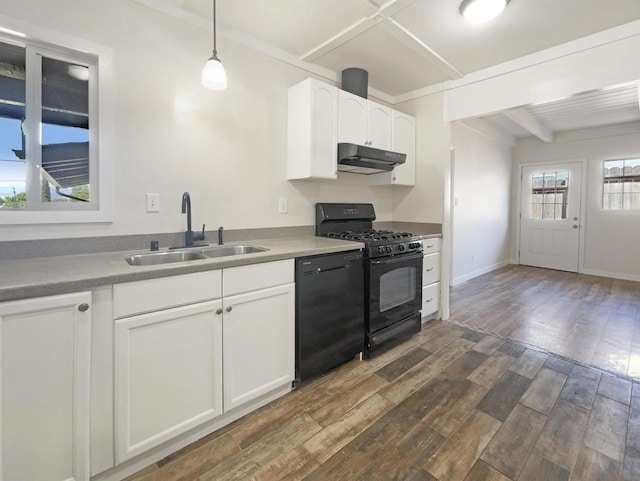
(45, 388)
(258, 343)
(168, 374)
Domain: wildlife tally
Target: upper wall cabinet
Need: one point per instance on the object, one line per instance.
(320, 116)
(311, 131)
(403, 140)
(363, 122)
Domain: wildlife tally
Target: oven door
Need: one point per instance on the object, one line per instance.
(395, 289)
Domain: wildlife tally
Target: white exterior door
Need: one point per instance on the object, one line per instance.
(550, 216)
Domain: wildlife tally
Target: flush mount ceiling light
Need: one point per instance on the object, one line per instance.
(480, 11)
(213, 75)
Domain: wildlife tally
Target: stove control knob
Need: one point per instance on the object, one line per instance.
(381, 250)
(389, 249)
(401, 247)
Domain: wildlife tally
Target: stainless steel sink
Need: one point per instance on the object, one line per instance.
(222, 251)
(155, 258)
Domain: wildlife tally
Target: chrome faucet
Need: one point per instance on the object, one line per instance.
(189, 235)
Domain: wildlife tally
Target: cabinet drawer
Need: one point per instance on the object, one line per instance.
(429, 246)
(257, 276)
(131, 298)
(431, 269)
(430, 299)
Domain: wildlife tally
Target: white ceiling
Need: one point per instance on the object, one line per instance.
(406, 45)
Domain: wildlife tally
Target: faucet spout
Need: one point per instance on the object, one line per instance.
(186, 209)
(189, 235)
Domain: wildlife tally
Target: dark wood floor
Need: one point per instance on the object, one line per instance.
(451, 404)
(592, 320)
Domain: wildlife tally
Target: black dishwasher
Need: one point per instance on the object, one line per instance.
(329, 312)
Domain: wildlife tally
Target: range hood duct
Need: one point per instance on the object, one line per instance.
(360, 159)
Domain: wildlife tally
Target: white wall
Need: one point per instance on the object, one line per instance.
(482, 170)
(611, 238)
(228, 149)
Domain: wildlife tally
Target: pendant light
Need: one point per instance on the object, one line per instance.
(481, 11)
(213, 75)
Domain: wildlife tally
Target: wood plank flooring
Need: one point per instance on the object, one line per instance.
(450, 404)
(592, 320)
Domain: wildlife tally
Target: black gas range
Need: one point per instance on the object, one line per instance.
(392, 270)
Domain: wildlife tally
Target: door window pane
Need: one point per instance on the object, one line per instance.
(549, 195)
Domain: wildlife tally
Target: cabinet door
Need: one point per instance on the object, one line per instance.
(352, 118)
(379, 126)
(312, 111)
(258, 343)
(168, 374)
(404, 141)
(45, 388)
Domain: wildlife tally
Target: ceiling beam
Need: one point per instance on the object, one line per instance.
(422, 49)
(528, 122)
(341, 38)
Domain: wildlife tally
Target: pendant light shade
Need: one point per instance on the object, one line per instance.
(213, 75)
(481, 11)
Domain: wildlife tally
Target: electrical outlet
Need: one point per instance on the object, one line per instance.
(153, 202)
(283, 205)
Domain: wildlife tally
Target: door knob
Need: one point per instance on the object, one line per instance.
(83, 307)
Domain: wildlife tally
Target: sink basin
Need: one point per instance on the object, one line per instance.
(156, 258)
(222, 251)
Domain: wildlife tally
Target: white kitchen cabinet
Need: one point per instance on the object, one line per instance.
(45, 388)
(363, 122)
(311, 131)
(404, 141)
(168, 374)
(431, 277)
(259, 330)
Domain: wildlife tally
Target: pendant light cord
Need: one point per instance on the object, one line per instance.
(214, 28)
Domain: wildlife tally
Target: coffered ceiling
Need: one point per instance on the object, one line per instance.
(407, 45)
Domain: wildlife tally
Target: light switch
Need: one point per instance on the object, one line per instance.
(283, 205)
(153, 202)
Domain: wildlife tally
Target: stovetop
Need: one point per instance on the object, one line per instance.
(354, 222)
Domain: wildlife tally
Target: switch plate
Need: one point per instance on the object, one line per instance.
(283, 205)
(153, 202)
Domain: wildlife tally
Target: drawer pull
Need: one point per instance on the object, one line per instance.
(431, 246)
(429, 300)
(430, 269)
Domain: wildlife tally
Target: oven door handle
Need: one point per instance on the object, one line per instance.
(401, 258)
(333, 268)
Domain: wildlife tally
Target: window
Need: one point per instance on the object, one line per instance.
(621, 185)
(48, 160)
(549, 195)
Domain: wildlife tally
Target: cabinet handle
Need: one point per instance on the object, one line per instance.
(430, 269)
(431, 246)
(229, 308)
(429, 300)
(83, 307)
(219, 310)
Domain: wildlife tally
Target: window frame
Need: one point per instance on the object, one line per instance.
(604, 179)
(39, 41)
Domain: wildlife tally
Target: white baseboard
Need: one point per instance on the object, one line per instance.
(614, 275)
(479, 272)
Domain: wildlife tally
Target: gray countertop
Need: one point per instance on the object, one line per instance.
(45, 276)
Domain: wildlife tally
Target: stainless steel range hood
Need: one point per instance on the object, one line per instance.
(360, 159)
